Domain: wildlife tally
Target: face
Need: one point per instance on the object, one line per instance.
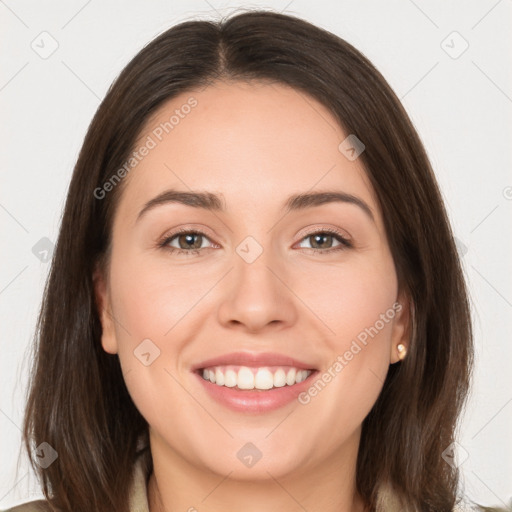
(248, 292)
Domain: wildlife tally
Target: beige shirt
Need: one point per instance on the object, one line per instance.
(387, 501)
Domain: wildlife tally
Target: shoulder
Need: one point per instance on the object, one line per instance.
(31, 506)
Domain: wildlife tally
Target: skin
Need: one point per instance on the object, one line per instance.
(255, 144)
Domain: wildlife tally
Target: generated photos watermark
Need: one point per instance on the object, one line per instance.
(151, 142)
(343, 360)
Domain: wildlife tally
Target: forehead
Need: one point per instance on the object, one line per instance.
(248, 142)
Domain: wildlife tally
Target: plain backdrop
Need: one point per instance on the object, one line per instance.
(449, 62)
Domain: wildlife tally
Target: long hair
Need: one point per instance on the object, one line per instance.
(78, 402)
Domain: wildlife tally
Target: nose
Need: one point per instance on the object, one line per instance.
(257, 295)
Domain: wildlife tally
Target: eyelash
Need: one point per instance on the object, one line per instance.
(344, 243)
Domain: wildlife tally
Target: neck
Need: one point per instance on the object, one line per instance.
(175, 484)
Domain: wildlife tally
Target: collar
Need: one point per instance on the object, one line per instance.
(139, 488)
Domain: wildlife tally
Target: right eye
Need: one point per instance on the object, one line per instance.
(187, 241)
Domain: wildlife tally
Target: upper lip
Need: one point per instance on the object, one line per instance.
(254, 360)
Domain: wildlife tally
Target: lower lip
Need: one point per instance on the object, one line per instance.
(255, 401)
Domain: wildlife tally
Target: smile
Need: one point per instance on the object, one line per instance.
(253, 383)
(247, 378)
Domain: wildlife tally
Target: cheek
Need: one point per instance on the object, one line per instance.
(356, 308)
(350, 298)
(348, 386)
(150, 304)
(150, 298)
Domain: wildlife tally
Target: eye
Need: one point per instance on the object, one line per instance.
(187, 241)
(322, 241)
(190, 242)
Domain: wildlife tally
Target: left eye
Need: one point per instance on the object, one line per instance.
(191, 242)
(320, 237)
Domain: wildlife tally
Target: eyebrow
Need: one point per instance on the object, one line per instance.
(213, 202)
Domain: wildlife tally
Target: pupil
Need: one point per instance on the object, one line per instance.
(189, 241)
(318, 239)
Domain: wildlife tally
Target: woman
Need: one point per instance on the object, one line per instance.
(255, 299)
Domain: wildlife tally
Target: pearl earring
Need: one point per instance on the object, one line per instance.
(401, 351)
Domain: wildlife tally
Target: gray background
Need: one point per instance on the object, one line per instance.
(461, 104)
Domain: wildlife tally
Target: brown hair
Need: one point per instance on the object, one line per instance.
(78, 401)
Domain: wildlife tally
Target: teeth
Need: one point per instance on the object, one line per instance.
(247, 378)
(263, 379)
(290, 377)
(219, 377)
(230, 379)
(300, 377)
(279, 378)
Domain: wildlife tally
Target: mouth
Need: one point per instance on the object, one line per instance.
(254, 383)
(246, 378)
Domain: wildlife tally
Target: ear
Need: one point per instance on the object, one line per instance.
(101, 291)
(402, 325)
